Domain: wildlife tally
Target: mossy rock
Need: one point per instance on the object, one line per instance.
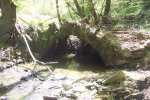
(116, 78)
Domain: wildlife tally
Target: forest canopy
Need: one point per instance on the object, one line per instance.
(121, 12)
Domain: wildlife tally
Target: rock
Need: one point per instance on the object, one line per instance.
(93, 92)
(3, 98)
(146, 94)
(116, 78)
(19, 61)
(121, 94)
(18, 53)
(79, 88)
(72, 96)
(127, 53)
(88, 85)
(49, 98)
(99, 81)
(74, 44)
(115, 92)
(24, 79)
(88, 78)
(59, 76)
(10, 64)
(103, 90)
(143, 84)
(137, 75)
(91, 86)
(134, 96)
(2, 69)
(147, 44)
(96, 85)
(67, 86)
(110, 97)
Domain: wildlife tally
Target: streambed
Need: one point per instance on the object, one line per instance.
(18, 83)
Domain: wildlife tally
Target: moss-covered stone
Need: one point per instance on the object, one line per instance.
(118, 77)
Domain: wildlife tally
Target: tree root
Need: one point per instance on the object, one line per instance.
(35, 61)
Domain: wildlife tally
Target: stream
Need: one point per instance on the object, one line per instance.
(96, 82)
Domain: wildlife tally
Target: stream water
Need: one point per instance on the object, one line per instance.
(82, 63)
(18, 83)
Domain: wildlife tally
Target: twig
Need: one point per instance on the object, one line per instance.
(35, 61)
(69, 9)
(69, 5)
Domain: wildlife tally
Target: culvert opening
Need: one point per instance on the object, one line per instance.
(85, 59)
(90, 59)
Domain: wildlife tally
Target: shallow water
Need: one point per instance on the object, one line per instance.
(84, 63)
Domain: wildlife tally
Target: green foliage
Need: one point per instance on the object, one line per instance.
(19, 4)
(87, 8)
(1, 45)
(119, 26)
(121, 8)
(126, 8)
(127, 13)
(130, 14)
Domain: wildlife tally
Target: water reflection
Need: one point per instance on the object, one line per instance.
(82, 63)
(72, 62)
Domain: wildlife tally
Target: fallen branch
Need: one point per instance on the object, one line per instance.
(35, 61)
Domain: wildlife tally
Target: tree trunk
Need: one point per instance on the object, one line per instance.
(82, 6)
(93, 12)
(58, 13)
(106, 11)
(81, 14)
(8, 18)
(107, 7)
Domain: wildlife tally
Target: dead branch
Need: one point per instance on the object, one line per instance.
(35, 61)
(68, 9)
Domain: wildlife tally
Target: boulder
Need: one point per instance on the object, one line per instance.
(116, 78)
